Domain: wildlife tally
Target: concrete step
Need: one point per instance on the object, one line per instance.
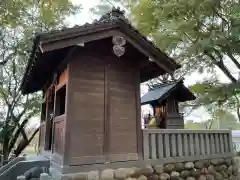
(20, 167)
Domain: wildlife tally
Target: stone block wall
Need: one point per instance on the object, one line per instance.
(214, 169)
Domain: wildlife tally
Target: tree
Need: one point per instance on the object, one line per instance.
(219, 119)
(20, 20)
(197, 34)
(202, 36)
(216, 94)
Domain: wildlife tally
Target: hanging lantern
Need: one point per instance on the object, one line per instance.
(118, 50)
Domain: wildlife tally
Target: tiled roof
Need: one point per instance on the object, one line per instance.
(162, 92)
(115, 18)
(157, 93)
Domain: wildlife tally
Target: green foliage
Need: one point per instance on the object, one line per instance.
(14, 13)
(20, 20)
(200, 35)
(217, 95)
(197, 34)
(194, 125)
(220, 119)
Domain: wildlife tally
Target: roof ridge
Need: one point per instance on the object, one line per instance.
(156, 86)
(114, 14)
(112, 20)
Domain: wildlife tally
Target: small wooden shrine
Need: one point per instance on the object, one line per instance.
(90, 77)
(164, 100)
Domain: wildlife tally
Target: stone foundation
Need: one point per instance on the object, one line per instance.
(214, 169)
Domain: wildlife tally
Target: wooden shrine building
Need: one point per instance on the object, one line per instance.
(164, 100)
(90, 78)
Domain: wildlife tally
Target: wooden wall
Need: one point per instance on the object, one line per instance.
(103, 110)
(85, 113)
(174, 119)
(122, 79)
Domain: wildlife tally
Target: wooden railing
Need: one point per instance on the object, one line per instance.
(59, 134)
(186, 144)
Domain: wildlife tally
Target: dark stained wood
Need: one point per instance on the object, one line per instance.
(67, 124)
(59, 135)
(102, 116)
(153, 54)
(49, 124)
(54, 45)
(106, 147)
(102, 110)
(122, 86)
(174, 120)
(138, 119)
(43, 74)
(42, 136)
(86, 109)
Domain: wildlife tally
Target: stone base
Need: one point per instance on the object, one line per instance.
(57, 171)
(219, 169)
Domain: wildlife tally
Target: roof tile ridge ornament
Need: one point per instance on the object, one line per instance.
(161, 85)
(114, 14)
(118, 41)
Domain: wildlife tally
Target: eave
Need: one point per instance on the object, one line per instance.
(55, 40)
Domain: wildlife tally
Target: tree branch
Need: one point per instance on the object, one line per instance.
(238, 107)
(23, 144)
(221, 66)
(17, 133)
(234, 60)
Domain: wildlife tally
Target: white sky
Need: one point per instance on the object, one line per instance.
(86, 16)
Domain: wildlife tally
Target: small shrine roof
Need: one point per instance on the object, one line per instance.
(161, 92)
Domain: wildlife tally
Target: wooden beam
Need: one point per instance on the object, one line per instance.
(144, 50)
(106, 143)
(58, 44)
(83, 38)
(138, 119)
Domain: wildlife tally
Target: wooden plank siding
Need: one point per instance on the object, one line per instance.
(42, 136)
(59, 135)
(102, 110)
(122, 79)
(86, 111)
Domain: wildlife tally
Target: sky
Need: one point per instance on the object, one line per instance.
(198, 115)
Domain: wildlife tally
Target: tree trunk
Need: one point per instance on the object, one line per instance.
(5, 150)
(238, 107)
(24, 143)
(223, 68)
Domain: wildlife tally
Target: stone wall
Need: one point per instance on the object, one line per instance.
(214, 169)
